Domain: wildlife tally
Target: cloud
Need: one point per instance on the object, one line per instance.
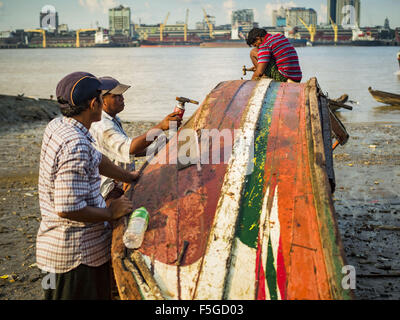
(322, 13)
(96, 5)
(269, 7)
(228, 6)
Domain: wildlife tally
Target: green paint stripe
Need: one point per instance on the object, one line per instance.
(252, 198)
(270, 273)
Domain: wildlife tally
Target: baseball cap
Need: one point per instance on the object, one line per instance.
(78, 87)
(116, 86)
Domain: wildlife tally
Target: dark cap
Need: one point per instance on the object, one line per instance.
(78, 87)
(117, 87)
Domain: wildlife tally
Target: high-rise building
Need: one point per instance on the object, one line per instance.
(120, 20)
(241, 17)
(242, 22)
(279, 17)
(331, 11)
(309, 16)
(344, 12)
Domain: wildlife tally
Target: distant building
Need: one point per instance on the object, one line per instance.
(63, 28)
(309, 16)
(344, 12)
(202, 25)
(386, 25)
(120, 21)
(279, 17)
(242, 22)
(5, 34)
(331, 14)
(242, 17)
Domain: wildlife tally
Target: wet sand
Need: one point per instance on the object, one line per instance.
(367, 202)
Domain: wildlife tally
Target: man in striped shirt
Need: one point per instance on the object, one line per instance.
(74, 238)
(276, 56)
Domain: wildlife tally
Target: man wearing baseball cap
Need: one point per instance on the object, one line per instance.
(74, 240)
(112, 140)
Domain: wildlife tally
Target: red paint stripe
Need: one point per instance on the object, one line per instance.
(260, 275)
(281, 271)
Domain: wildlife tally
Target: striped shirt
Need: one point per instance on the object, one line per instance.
(69, 180)
(277, 46)
(112, 141)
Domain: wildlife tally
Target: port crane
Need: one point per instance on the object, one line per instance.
(162, 26)
(78, 44)
(43, 32)
(335, 29)
(312, 30)
(185, 27)
(210, 26)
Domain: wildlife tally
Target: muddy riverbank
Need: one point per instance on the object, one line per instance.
(367, 203)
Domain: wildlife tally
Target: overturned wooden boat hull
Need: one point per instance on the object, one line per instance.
(385, 97)
(259, 224)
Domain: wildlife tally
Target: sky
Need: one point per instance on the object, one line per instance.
(23, 14)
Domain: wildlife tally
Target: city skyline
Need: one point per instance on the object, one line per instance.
(23, 14)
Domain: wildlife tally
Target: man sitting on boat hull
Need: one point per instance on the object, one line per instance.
(273, 57)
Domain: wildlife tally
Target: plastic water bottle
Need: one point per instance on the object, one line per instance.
(137, 225)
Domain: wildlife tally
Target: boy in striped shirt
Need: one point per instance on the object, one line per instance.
(273, 56)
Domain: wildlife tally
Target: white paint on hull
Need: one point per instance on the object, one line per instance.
(217, 256)
(275, 232)
(241, 279)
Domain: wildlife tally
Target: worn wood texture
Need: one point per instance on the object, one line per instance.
(127, 287)
(260, 223)
(327, 224)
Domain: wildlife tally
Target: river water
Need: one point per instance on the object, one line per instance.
(158, 75)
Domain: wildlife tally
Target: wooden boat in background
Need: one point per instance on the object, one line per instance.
(259, 225)
(385, 97)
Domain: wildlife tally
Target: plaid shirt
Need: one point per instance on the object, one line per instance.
(69, 180)
(112, 141)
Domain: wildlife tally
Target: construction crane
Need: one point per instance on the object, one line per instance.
(335, 29)
(43, 32)
(185, 27)
(78, 43)
(311, 29)
(210, 26)
(162, 26)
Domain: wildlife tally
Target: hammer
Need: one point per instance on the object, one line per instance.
(183, 100)
(244, 69)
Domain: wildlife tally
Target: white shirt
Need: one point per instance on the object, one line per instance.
(112, 141)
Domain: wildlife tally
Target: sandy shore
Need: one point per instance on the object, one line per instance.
(367, 202)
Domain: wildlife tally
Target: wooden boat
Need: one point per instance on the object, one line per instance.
(258, 225)
(385, 97)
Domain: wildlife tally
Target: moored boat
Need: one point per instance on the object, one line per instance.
(385, 97)
(256, 222)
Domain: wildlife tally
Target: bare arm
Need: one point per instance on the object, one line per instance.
(139, 144)
(117, 209)
(109, 169)
(259, 70)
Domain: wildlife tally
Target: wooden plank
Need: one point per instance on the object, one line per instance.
(328, 230)
(197, 210)
(216, 260)
(327, 139)
(127, 288)
(241, 281)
